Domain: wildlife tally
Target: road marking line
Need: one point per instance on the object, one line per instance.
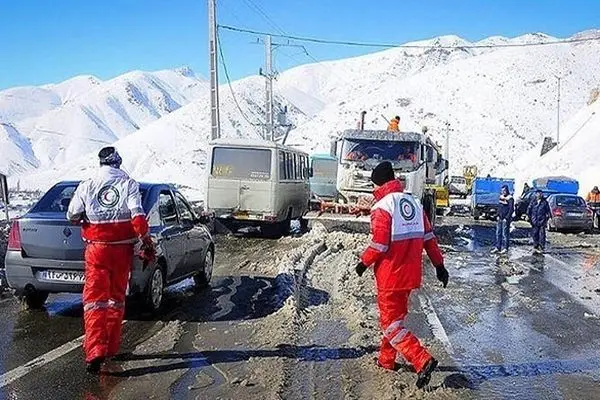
(436, 325)
(19, 372)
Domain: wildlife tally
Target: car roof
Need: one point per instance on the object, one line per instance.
(564, 195)
(143, 185)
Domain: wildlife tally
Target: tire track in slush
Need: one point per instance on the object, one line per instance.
(318, 377)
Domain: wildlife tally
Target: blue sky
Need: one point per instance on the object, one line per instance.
(47, 41)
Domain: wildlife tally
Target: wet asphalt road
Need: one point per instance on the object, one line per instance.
(520, 327)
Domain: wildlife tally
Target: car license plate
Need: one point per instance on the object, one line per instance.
(579, 215)
(62, 276)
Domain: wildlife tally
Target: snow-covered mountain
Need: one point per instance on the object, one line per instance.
(499, 102)
(173, 149)
(78, 116)
(578, 156)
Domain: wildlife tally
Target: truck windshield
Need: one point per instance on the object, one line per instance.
(241, 163)
(324, 168)
(402, 155)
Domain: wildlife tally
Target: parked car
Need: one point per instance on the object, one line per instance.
(458, 186)
(569, 212)
(45, 251)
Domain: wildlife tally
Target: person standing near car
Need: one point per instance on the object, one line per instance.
(539, 213)
(400, 232)
(593, 201)
(506, 208)
(109, 207)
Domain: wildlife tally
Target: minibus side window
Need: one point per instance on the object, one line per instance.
(282, 170)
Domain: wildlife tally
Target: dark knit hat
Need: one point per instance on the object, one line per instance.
(383, 173)
(110, 156)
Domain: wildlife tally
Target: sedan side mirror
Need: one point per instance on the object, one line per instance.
(310, 172)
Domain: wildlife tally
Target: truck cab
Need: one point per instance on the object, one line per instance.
(415, 159)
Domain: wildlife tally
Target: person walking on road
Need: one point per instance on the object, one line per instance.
(109, 208)
(400, 231)
(539, 214)
(506, 208)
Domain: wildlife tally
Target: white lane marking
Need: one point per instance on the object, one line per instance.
(436, 325)
(19, 372)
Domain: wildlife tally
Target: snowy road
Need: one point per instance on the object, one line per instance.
(289, 319)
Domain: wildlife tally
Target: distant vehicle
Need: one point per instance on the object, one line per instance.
(548, 186)
(458, 186)
(569, 212)
(485, 196)
(557, 184)
(323, 176)
(45, 251)
(257, 183)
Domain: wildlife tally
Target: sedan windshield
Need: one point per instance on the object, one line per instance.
(402, 155)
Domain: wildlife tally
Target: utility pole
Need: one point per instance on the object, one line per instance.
(558, 78)
(215, 121)
(269, 75)
(447, 155)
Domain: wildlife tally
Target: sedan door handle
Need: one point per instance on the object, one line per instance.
(245, 187)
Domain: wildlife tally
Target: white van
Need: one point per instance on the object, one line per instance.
(257, 183)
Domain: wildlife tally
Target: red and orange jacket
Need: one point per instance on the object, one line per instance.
(400, 231)
(112, 205)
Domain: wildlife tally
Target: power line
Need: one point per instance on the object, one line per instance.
(269, 20)
(404, 46)
(230, 86)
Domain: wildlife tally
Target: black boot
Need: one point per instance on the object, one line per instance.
(424, 376)
(94, 366)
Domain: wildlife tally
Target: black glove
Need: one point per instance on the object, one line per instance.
(442, 275)
(360, 268)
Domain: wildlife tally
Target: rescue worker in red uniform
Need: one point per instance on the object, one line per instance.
(109, 208)
(400, 231)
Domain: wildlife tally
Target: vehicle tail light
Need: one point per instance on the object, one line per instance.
(270, 218)
(557, 212)
(14, 237)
